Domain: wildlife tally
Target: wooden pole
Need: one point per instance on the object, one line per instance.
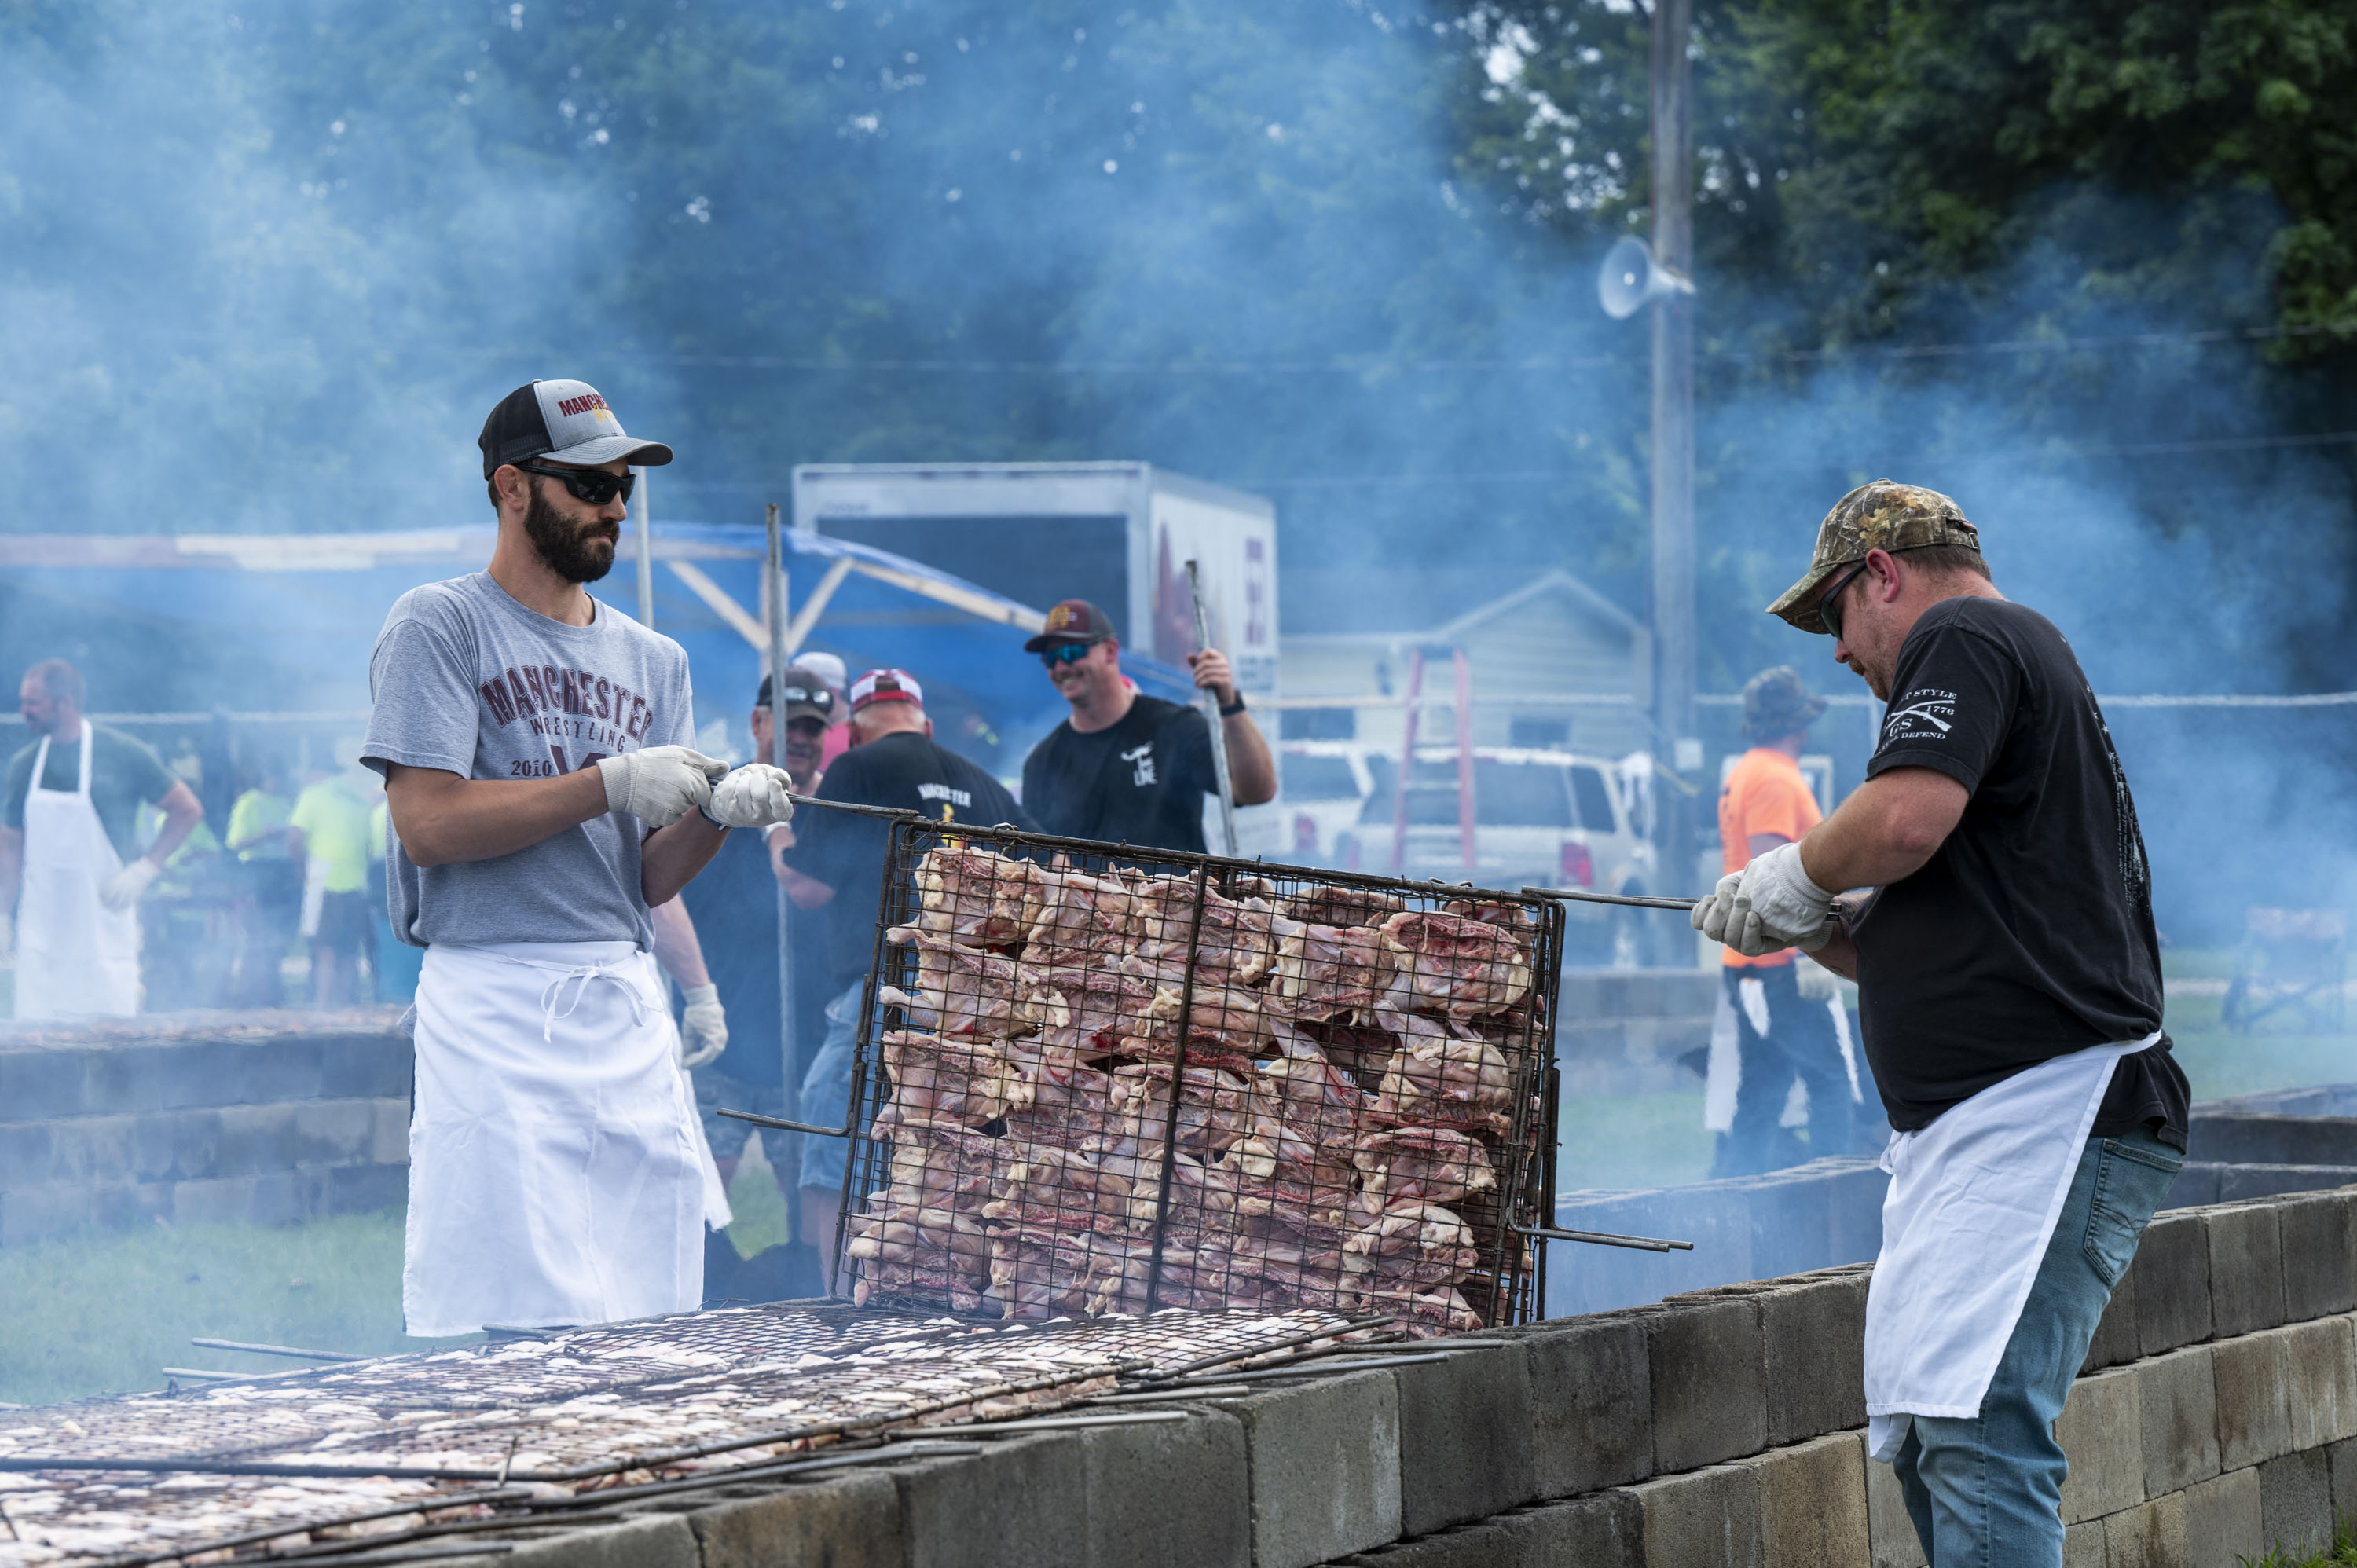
(1672, 476)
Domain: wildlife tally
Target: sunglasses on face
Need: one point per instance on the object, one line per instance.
(1829, 602)
(1070, 654)
(595, 485)
(821, 698)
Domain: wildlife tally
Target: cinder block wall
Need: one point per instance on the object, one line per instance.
(271, 1117)
(2217, 1416)
(1623, 1030)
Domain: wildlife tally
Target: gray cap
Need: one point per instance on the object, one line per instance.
(564, 422)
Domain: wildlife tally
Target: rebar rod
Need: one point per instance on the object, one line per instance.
(277, 1351)
(1178, 1087)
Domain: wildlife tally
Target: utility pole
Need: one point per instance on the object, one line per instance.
(1674, 547)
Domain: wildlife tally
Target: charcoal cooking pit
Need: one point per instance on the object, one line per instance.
(529, 1432)
(1091, 1081)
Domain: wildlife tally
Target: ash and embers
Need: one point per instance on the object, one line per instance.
(1354, 1090)
(519, 1427)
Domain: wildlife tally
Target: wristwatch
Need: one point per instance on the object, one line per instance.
(1228, 711)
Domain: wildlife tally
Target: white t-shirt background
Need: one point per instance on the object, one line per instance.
(466, 679)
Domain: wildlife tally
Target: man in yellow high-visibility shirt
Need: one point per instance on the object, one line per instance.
(329, 835)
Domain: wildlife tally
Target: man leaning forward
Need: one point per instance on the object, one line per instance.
(2009, 977)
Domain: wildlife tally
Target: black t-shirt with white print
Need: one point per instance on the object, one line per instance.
(1140, 782)
(2028, 934)
(904, 771)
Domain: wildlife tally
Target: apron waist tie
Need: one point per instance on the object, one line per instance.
(579, 979)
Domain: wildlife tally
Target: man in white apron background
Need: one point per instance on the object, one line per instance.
(70, 867)
(541, 795)
(2010, 988)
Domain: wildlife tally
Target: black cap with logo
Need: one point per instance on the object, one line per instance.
(1072, 621)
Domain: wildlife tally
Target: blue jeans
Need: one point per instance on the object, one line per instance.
(826, 1093)
(1987, 1492)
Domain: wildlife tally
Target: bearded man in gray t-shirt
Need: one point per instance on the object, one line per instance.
(543, 796)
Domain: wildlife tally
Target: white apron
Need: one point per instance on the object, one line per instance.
(75, 957)
(556, 1172)
(1972, 1206)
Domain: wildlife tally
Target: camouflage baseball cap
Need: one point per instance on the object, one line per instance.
(1884, 515)
(1775, 703)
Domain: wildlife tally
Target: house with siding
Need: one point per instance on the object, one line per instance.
(1551, 663)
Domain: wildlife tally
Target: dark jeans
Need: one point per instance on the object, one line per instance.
(1800, 1043)
(1987, 1492)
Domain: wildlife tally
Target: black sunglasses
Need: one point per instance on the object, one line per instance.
(1826, 601)
(1065, 653)
(595, 485)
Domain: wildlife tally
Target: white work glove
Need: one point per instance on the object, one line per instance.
(1791, 910)
(754, 796)
(1768, 906)
(660, 784)
(121, 890)
(703, 1027)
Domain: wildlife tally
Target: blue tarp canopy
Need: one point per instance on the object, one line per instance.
(284, 623)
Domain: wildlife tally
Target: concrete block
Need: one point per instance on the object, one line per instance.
(2114, 1344)
(2222, 1520)
(1854, 1209)
(196, 1145)
(2340, 1461)
(2296, 1503)
(366, 1066)
(224, 1200)
(2083, 1545)
(2245, 1184)
(272, 1071)
(1020, 1503)
(2248, 1139)
(2176, 1409)
(2246, 1289)
(389, 1133)
(1467, 1546)
(848, 1521)
(654, 1541)
(37, 1084)
(1591, 1404)
(2254, 1420)
(2319, 1235)
(1714, 1215)
(2098, 1430)
(2149, 1535)
(1812, 1503)
(1606, 1531)
(255, 1138)
(2172, 1284)
(1173, 1495)
(1708, 1367)
(333, 1132)
(1708, 1516)
(1890, 1533)
(2321, 1380)
(1464, 1438)
(1815, 1336)
(362, 1189)
(1325, 1467)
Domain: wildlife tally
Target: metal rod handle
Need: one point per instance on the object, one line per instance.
(782, 1124)
(1606, 1239)
(277, 1350)
(1581, 896)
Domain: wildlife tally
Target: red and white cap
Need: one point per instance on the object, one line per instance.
(886, 686)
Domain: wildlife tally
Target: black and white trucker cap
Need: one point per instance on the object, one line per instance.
(564, 422)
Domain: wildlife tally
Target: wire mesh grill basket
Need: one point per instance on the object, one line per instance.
(1090, 1080)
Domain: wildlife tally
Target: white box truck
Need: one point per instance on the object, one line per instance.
(1117, 534)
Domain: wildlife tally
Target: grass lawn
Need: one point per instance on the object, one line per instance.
(106, 1312)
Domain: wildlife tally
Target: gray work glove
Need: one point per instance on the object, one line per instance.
(660, 784)
(754, 796)
(703, 1027)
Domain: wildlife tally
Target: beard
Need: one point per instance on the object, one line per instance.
(578, 552)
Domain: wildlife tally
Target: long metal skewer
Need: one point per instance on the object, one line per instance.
(1581, 896)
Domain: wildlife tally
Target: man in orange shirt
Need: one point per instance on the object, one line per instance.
(1780, 1033)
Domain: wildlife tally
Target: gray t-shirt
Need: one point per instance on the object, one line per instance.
(466, 679)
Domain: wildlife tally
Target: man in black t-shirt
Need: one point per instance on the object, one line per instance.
(1125, 768)
(836, 865)
(2009, 990)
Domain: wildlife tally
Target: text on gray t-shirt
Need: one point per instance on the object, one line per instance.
(466, 679)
